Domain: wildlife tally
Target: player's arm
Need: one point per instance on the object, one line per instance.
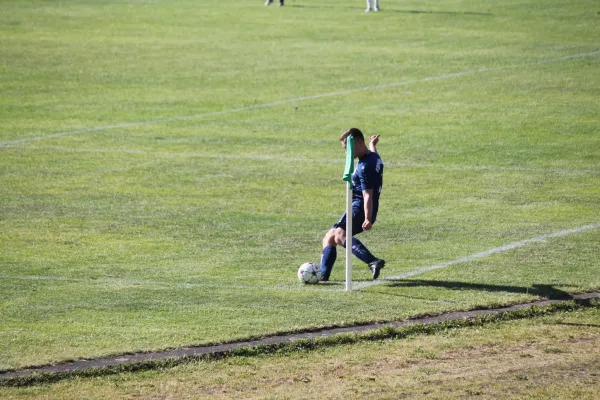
(368, 203)
(373, 143)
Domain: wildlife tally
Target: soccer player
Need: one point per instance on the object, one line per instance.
(268, 2)
(375, 5)
(367, 181)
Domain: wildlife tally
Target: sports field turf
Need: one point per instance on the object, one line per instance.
(553, 357)
(166, 166)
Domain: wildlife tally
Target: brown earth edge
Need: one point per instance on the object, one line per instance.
(222, 349)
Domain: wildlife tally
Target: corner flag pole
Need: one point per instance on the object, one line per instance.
(348, 171)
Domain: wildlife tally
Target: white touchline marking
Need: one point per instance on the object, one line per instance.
(117, 281)
(501, 249)
(268, 157)
(297, 99)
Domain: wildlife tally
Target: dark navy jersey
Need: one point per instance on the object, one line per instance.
(368, 174)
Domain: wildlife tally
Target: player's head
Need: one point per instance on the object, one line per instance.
(355, 133)
(360, 148)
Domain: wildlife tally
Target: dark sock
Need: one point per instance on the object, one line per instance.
(361, 252)
(327, 260)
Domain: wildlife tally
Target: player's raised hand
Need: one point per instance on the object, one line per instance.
(373, 142)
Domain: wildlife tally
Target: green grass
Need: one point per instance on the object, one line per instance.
(553, 354)
(144, 205)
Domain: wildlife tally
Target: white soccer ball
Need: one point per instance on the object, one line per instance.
(309, 273)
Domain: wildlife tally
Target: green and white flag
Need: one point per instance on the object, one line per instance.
(349, 170)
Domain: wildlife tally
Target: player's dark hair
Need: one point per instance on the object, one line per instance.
(356, 134)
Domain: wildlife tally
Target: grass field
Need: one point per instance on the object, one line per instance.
(166, 166)
(555, 357)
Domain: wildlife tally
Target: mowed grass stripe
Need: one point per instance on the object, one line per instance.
(269, 157)
(357, 285)
(298, 99)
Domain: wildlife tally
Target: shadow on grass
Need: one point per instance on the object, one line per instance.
(547, 291)
(342, 283)
(388, 10)
(437, 12)
(331, 283)
(582, 325)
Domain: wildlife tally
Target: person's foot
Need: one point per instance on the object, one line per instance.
(368, 9)
(268, 2)
(324, 279)
(281, 4)
(376, 267)
(376, 9)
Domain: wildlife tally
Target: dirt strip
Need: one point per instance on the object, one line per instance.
(221, 349)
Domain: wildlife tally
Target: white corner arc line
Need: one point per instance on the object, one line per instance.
(297, 99)
(472, 257)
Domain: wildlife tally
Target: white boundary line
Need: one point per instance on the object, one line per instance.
(297, 99)
(357, 285)
(472, 257)
(268, 157)
(117, 281)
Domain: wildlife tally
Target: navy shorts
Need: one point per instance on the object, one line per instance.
(358, 217)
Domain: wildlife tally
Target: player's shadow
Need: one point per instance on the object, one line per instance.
(332, 283)
(541, 290)
(386, 10)
(440, 12)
